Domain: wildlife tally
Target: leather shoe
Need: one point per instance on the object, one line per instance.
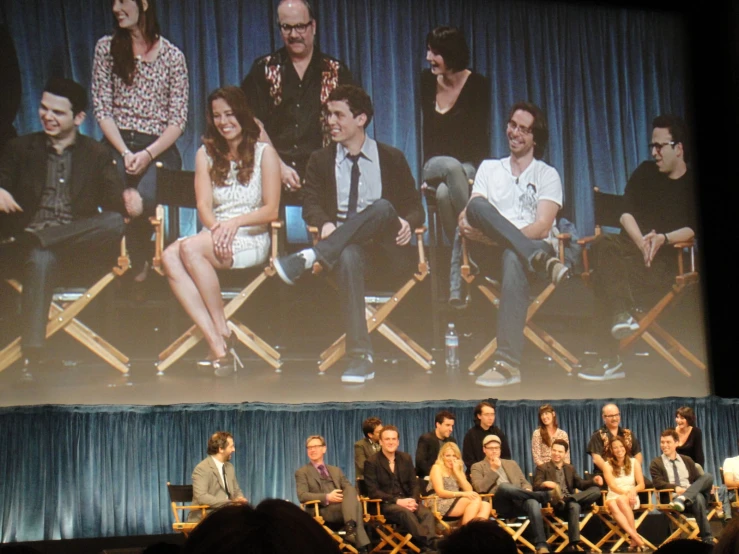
(350, 533)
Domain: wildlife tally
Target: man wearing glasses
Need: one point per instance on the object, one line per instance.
(599, 446)
(659, 210)
(328, 484)
(288, 89)
(514, 204)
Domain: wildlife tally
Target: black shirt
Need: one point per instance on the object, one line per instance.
(293, 113)
(472, 451)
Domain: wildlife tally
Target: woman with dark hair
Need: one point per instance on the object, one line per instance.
(690, 441)
(237, 186)
(140, 90)
(545, 435)
(625, 480)
(455, 105)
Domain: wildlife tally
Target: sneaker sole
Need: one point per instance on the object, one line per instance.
(563, 275)
(510, 381)
(610, 377)
(620, 332)
(281, 272)
(356, 379)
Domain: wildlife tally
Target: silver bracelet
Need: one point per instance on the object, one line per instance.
(125, 153)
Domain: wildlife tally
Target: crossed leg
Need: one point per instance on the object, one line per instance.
(470, 508)
(621, 511)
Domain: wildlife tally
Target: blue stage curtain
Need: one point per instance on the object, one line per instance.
(600, 73)
(89, 471)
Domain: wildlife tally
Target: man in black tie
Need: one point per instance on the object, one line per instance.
(339, 504)
(675, 471)
(214, 479)
(362, 197)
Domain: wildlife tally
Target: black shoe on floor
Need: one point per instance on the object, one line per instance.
(290, 267)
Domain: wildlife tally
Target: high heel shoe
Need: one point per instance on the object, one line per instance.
(227, 365)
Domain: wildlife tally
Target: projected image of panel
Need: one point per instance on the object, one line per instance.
(524, 173)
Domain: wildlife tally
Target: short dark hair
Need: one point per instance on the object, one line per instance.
(479, 536)
(218, 440)
(442, 415)
(369, 424)
(687, 413)
(356, 98)
(540, 127)
(272, 527)
(479, 407)
(670, 433)
(678, 129)
(69, 89)
(561, 442)
(449, 43)
(390, 428)
(304, 2)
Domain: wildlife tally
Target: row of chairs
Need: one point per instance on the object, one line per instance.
(393, 540)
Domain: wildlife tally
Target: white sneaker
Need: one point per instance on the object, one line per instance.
(494, 377)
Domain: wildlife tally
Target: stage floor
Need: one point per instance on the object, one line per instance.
(290, 317)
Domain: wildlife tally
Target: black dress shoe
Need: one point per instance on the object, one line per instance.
(350, 533)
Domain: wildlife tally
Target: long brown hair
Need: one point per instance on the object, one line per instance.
(611, 458)
(545, 438)
(121, 45)
(216, 145)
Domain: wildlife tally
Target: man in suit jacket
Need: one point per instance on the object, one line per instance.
(339, 504)
(52, 187)
(369, 445)
(556, 473)
(513, 493)
(429, 444)
(362, 197)
(214, 479)
(390, 476)
(675, 471)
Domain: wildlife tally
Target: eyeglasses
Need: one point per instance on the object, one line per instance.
(658, 146)
(612, 416)
(314, 446)
(300, 28)
(513, 127)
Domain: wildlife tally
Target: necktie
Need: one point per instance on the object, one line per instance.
(675, 473)
(225, 484)
(353, 186)
(323, 471)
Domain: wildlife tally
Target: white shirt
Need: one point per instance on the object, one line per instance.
(517, 198)
(219, 466)
(370, 180)
(731, 465)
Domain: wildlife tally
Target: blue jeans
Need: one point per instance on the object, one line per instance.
(726, 499)
(510, 501)
(696, 495)
(451, 180)
(349, 251)
(515, 253)
(139, 230)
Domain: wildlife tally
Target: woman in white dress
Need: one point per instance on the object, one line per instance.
(625, 480)
(237, 186)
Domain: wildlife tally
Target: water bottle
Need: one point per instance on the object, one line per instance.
(451, 344)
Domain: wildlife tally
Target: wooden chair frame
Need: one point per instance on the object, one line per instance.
(650, 330)
(684, 525)
(540, 338)
(446, 525)
(515, 530)
(377, 317)
(63, 314)
(559, 537)
(617, 535)
(735, 490)
(193, 335)
(313, 506)
(179, 526)
(390, 540)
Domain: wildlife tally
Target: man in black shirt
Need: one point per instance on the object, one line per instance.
(659, 211)
(472, 451)
(429, 444)
(288, 89)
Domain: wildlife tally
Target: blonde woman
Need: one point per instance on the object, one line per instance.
(448, 482)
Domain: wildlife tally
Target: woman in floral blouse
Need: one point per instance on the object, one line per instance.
(543, 437)
(140, 91)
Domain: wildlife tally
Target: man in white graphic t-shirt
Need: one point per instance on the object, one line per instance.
(514, 203)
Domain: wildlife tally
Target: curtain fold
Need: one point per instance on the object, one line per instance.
(600, 73)
(90, 471)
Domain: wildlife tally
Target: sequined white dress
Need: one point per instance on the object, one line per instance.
(251, 243)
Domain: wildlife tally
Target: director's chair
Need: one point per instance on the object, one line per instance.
(683, 524)
(391, 540)
(615, 534)
(608, 209)
(541, 339)
(180, 496)
(331, 529)
(66, 305)
(378, 306)
(559, 539)
(515, 527)
(175, 189)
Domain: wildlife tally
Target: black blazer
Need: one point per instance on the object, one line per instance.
(548, 472)
(398, 186)
(378, 477)
(427, 451)
(94, 181)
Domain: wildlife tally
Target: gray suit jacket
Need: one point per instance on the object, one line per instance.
(207, 487)
(485, 480)
(308, 482)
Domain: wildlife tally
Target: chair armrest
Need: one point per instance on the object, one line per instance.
(275, 228)
(315, 504)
